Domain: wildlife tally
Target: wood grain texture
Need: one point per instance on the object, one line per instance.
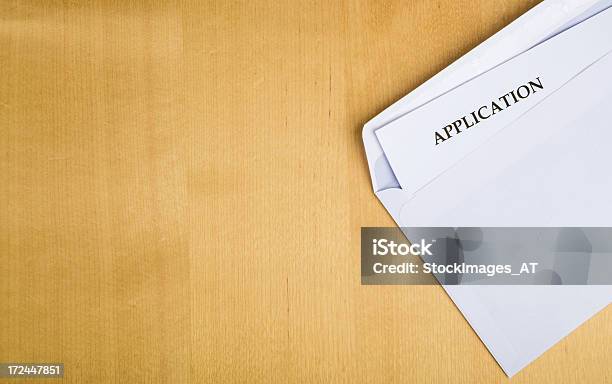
(183, 185)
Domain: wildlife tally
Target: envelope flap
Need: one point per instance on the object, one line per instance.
(541, 22)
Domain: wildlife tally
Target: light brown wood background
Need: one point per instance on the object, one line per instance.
(182, 187)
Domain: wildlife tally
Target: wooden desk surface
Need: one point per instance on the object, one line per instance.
(183, 185)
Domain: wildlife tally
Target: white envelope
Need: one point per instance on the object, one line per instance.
(519, 323)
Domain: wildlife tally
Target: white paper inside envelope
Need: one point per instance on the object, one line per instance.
(539, 24)
(426, 142)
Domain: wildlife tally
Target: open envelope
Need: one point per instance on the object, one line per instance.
(516, 323)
